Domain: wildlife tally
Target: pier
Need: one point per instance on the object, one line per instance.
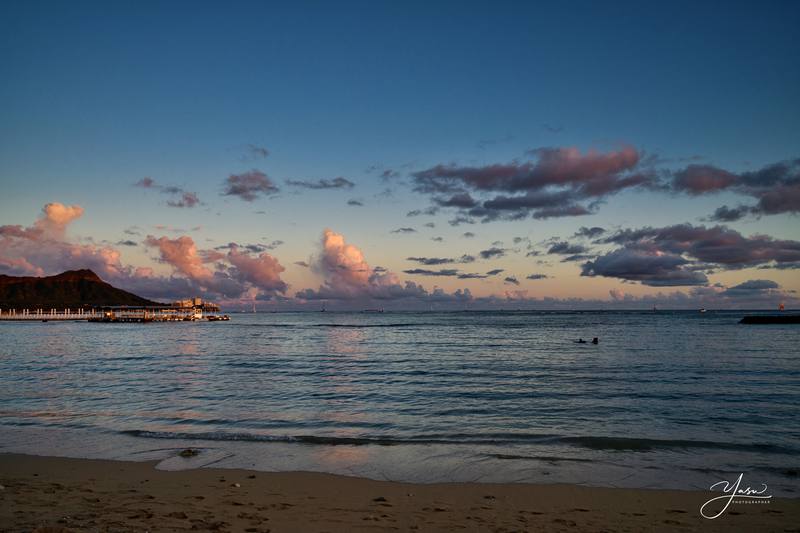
(49, 314)
(181, 311)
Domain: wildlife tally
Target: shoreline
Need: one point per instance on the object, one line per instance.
(69, 494)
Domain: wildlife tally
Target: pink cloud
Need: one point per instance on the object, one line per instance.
(263, 271)
(347, 276)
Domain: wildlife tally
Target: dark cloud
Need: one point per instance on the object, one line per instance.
(511, 280)
(430, 211)
(492, 253)
(565, 248)
(457, 200)
(730, 214)
(700, 179)
(657, 270)
(404, 230)
(468, 235)
(750, 287)
(469, 275)
(127, 243)
(430, 261)
(256, 152)
(357, 203)
(457, 221)
(589, 233)
(301, 264)
(429, 225)
(437, 239)
(336, 183)
(249, 185)
(494, 272)
(536, 276)
(717, 245)
(558, 182)
(181, 197)
(775, 187)
(576, 257)
(426, 272)
(186, 199)
(682, 254)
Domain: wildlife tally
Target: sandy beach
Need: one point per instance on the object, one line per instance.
(58, 494)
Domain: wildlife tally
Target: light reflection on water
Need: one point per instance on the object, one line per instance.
(480, 391)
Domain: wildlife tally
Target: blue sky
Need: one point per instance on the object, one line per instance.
(97, 96)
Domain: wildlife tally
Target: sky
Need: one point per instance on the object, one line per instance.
(410, 155)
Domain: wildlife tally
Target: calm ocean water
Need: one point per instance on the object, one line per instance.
(667, 399)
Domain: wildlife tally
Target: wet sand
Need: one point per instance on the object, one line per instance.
(49, 494)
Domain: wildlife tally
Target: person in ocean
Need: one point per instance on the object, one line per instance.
(580, 341)
(595, 341)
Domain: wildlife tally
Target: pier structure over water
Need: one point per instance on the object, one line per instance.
(49, 314)
(181, 311)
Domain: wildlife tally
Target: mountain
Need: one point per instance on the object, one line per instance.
(71, 289)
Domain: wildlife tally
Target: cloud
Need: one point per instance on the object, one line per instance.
(536, 276)
(565, 248)
(249, 185)
(470, 275)
(494, 272)
(127, 242)
(187, 199)
(347, 276)
(700, 179)
(681, 254)
(302, 264)
(180, 197)
(182, 254)
(492, 253)
(751, 287)
(730, 214)
(426, 272)
(775, 187)
(335, 183)
(404, 230)
(236, 272)
(717, 245)
(589, 233)
(557, 182)
(463, 200)
(357, 203)
(44, 249)
(256, 152)
(468, 235)
(431, 261)
(511, 280)
(430, 211)
(263, 271)
(650, 268)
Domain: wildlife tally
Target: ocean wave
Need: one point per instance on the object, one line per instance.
(622, 444)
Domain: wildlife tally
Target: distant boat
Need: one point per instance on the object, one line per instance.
(703, 310)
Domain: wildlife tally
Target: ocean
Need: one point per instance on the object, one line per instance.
(664, 400)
